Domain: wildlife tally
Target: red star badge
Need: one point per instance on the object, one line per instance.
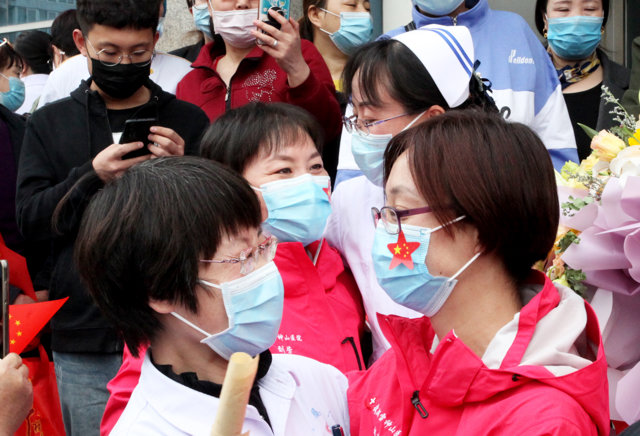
(402, 251)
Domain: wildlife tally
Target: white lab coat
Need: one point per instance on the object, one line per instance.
(166, 70)
(302, 397)
(33, 86)
(350, 231)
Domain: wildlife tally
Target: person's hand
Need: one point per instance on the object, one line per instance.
(166, 142)
(284, 46)
(109, 165)
(16, 394)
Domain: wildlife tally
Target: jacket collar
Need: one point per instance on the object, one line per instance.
(216, 48)
(470, 18)
(94, 102)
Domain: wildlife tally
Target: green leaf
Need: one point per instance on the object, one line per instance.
(588, 130)
(568, 239)
(575, 277)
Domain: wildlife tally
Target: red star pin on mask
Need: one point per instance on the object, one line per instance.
(402, 251)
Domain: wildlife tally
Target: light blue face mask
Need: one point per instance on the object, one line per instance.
(438, 8)
(356, 29)
(254, 307)
(201, 18)
(298, 208)
(14, 97)
(368, 152)
(574, 38)
(415, 287)
(160, 28)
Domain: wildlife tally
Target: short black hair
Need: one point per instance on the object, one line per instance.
(62, 32)
(137, 14)
(34, 46)
(9, 57)
(541, 10)
(237, 138)
(496, 173)
(142, 236)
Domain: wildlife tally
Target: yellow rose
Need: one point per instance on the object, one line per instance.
(587, 164)
(607, 145)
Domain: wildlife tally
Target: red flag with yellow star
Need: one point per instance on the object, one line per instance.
(26, 321)
(18, 272)
(402, 251)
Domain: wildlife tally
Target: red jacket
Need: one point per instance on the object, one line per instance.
(323, 316)
(259, 78)
(411, 391)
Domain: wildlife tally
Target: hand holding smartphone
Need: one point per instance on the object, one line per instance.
(281, 6)
(137, 130)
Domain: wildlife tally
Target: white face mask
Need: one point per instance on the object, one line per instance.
(235, 26)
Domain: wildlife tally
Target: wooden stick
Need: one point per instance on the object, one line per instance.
(235, 395)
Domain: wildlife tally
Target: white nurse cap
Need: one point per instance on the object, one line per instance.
(447, 54)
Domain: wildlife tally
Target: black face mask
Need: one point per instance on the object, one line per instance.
(120, 81)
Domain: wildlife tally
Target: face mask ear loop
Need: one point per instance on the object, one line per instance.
(413, 121)
(465, 266)
(256, 189)
(190, 324)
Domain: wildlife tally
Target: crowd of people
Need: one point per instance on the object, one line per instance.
(363, 215)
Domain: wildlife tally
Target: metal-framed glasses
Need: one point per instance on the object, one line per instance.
(391, 217)
(110, 58)
(251, 257)
(353, 123)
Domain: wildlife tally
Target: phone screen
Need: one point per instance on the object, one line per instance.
(137, 130)
(265, 5)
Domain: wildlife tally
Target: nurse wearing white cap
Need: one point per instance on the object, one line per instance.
(393, 85)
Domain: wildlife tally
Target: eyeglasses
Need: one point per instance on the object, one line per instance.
(251, 257)
(391, 217)
(353, 123)
(109, 58)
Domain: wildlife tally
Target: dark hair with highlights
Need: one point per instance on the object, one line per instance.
(240, 135)
(142, 236)
(498, 174)
(136, 14)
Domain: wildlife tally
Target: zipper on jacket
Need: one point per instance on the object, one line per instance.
(227, 98)
(355, 349)
(455, 20)
(415, 400)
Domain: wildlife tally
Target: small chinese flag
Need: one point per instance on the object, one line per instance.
(18, 272)
(402, 251)
(26, 321)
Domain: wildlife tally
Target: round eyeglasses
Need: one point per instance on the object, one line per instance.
(352, 123)
(251, 257)
(391, 217)
(110, 58)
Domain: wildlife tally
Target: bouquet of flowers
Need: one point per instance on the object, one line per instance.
(598, 248)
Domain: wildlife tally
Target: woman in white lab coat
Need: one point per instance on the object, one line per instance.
(173, 254)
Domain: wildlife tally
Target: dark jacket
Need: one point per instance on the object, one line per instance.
(189, 52)
(616, 78)
(630, 100)
(60, 143)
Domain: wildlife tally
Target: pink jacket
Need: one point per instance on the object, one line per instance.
(533, 390)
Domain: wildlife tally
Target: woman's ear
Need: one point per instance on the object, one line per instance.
(162, 306)
(314, 15)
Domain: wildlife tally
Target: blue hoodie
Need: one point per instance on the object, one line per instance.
(525, 85)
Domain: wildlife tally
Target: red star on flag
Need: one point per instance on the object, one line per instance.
(402, 251)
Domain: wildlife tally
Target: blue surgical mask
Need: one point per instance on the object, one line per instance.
(356, 29)
(298, 208)
(368, 152)
(574, 38)
(202, 19)
(254, 307)
(160, 28)
(14, 97)
(438, 8)
(415, 287)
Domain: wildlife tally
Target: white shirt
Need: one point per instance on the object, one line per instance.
(301, 395)
(33, 85)
(350, 230)
(166, 70)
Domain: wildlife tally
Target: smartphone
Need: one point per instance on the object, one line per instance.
(137, 130)
(281, 6)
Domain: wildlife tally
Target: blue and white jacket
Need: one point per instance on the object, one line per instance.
(524, 82)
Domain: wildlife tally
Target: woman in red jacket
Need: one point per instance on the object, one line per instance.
(471, 205)
(251, 61)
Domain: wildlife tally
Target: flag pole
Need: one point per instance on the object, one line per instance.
(4, 265)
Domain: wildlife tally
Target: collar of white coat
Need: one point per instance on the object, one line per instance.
(192, 411)
(553, 344)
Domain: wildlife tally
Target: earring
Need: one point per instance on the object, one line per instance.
(545, 34)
